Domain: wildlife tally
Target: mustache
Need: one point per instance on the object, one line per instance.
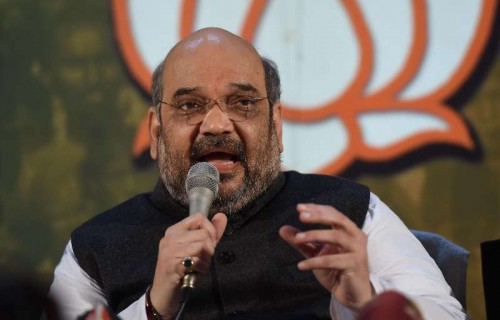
(230, 145)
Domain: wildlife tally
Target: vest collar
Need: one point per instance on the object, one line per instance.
(164, 202)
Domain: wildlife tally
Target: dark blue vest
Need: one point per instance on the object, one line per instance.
(253, 271)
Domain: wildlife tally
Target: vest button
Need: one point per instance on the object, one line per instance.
(229, 230)
(236, 313)
(226, 257)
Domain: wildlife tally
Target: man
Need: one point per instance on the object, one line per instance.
(216, 100)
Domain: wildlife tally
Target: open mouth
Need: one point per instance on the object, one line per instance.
(223, 160)
(226, 154)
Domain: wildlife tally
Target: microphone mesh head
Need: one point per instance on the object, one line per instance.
(203, 174)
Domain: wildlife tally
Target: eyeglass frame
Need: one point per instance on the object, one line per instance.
(208, 105)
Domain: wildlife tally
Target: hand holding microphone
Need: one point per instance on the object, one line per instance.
(190, 242)
(202, 186)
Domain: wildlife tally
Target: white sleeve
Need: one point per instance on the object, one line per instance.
(135, 311)
(75, 292)
(398, 261)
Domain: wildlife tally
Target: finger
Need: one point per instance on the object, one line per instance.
(288, 233)
(195, 222)
(200, 235)
(328, 248)
(179, 270)
(169, 251)
(187, 223)
(342, 261)
(199, 266)
(327, 215)
(202, 250)
(219, 222)
(173, 263)
(332, 236)
(173, 243)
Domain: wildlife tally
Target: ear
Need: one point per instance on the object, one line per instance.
(278, 125)
(154, 129)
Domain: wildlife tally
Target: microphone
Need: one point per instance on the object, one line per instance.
(202, 186)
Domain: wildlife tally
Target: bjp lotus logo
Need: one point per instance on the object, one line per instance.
(363, 81)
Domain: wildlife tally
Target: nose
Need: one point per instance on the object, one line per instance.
(216, 122)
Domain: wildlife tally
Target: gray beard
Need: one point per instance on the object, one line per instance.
(259, 173)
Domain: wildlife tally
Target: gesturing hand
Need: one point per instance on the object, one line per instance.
(194, 237)
(337, 256)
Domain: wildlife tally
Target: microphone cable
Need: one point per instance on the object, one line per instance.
(187, 288)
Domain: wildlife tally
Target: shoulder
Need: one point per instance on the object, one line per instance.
(320, 181)
(131, 224)
(119, 220)
(121, 213)
(349, 197)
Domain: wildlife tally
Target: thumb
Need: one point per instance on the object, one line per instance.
(219, 221)
(288, 233)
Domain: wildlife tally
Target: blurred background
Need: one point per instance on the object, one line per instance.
(71, 110)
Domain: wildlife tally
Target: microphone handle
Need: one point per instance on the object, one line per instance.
(200, 200)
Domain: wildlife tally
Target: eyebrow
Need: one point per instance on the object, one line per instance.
(183, 91)
(245, 87)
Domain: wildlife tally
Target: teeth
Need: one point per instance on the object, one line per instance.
(219, 156)
(221, 162)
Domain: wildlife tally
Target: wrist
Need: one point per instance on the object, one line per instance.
(151, 311)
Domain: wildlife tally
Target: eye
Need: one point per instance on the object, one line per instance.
(245, 102)
(189, 105)
(241, 102)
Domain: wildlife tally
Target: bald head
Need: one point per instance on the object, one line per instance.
(211, 58)
(211, 38)
(210, 49)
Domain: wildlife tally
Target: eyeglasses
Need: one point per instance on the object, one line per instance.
(236, 107)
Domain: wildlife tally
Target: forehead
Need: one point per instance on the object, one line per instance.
(213, 67)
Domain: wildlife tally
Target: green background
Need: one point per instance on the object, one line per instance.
(69, 115)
